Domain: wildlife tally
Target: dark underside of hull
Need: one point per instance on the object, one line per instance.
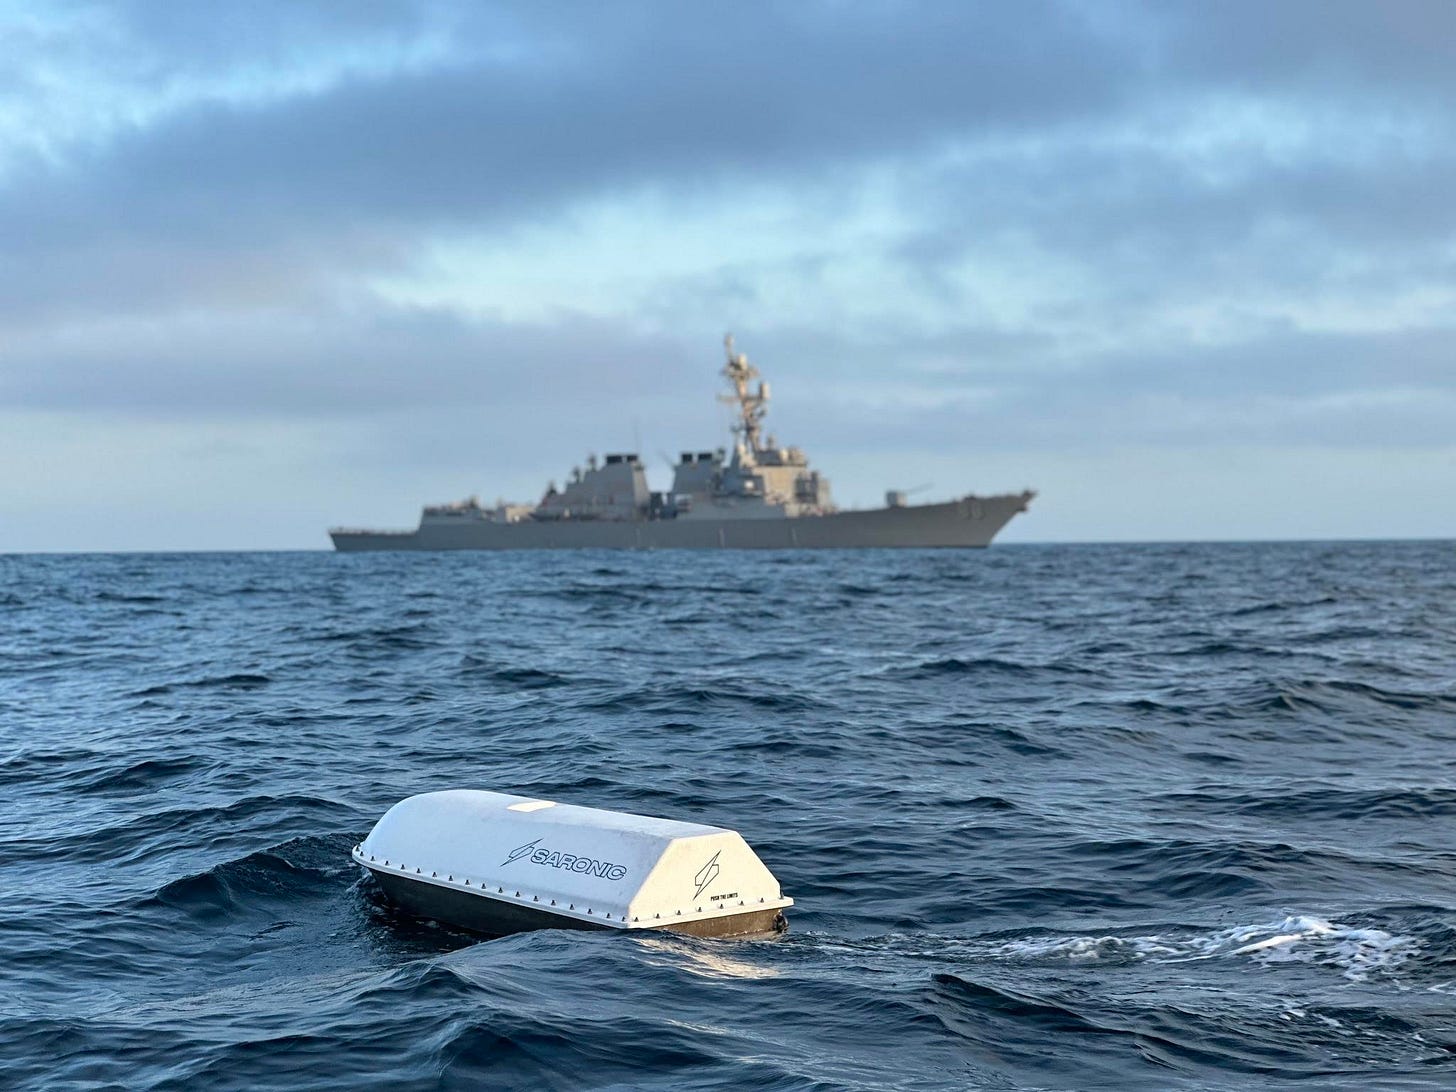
(496, 917)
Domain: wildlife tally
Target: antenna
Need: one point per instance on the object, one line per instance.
(751, 407)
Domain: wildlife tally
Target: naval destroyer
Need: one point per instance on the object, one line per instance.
(762, 496)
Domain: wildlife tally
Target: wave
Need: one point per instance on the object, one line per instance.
(138, 835)
(1152, 870)
(515, 678)
(678, 698)
(237, 680)
(28, 765)
(955, 666)
(146, 775)
(1326, 803)
(106, 596)
(1047, 1016)
(1282, 606)
(411, 637)
(288, 872)
(1337, 696)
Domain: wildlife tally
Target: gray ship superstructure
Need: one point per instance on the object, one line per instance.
(762, 497)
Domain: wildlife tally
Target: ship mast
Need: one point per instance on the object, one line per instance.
(751, 406)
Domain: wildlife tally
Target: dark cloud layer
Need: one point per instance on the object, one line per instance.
(609, 101)
(210, 257)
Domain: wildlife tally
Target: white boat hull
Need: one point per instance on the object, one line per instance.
(497, 864)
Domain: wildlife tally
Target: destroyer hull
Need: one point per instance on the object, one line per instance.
(965, 523)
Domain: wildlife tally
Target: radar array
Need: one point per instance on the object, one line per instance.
(751, 406)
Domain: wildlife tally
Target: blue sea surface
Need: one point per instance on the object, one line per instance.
(1157, 816)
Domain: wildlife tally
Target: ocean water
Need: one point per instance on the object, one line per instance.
(1160, 816)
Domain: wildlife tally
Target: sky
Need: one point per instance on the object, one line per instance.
(1187, 269)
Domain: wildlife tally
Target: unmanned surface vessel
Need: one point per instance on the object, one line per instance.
(497, 864)
(764, 496)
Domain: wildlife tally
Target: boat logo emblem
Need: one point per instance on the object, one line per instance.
(519, 852)
(551, 858)
(706, 875)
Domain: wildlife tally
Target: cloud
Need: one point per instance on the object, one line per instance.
(1319, 45)
(1061, 126)
(593, 101)
(1045, 226)
(328, 363)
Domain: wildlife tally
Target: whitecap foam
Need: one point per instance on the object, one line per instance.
(1082, 949)
(1355, 952)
